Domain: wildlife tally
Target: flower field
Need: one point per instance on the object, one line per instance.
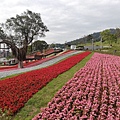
(32, 63)
(29, 64)
(16, 91)
(92, 94)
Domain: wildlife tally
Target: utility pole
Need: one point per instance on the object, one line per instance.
(101, 43)
(92, 44)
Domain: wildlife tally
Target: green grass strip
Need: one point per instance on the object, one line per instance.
(41, 98)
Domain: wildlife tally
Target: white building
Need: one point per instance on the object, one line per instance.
(73, 47)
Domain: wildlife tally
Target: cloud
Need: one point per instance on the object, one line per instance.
(67, 19)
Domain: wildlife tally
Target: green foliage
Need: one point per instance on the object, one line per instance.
(108, 36)
(5, 115)
(117, 33)
(23, 28)
(39, 45)
(107, 49)
(18, 32)
(41, 98)
(2, 34)
(105, 35)
(52, 45)
(89, 38)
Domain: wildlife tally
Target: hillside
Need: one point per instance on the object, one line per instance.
(96, 37)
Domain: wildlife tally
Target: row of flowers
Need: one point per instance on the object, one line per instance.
(32, 63)
(92, 94)
(48, 58)
(16, 91)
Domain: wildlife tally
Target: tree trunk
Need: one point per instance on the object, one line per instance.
(20, 64)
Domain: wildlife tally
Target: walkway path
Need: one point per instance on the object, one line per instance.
(44, 64)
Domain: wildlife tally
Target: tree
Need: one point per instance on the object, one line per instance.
(39, 45)
(113, 38)
(117, 33)
(89, 38)
(108, 36)
(52, 45)
(18, 32)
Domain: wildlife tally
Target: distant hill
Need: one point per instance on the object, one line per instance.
(96, 36)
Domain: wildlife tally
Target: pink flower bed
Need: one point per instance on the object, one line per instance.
(16, 91)
(92, 94)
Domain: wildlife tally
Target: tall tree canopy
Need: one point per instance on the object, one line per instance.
(89, 37)
(39, 45)
(117, 33)
(108, 36)
(18, 32)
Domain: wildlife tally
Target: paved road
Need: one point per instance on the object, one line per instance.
(44, 64)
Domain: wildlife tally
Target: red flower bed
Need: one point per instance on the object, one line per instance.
(29, 64)
(7, 67)
(32, 63)
(16, 91)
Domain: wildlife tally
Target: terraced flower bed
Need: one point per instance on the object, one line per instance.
(92, 94)
(16, 91)
(32, 63)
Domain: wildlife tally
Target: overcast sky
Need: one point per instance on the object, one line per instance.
(67, 20)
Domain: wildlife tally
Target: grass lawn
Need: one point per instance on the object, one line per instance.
(107, 50)
(41, 98)
(111, 50)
